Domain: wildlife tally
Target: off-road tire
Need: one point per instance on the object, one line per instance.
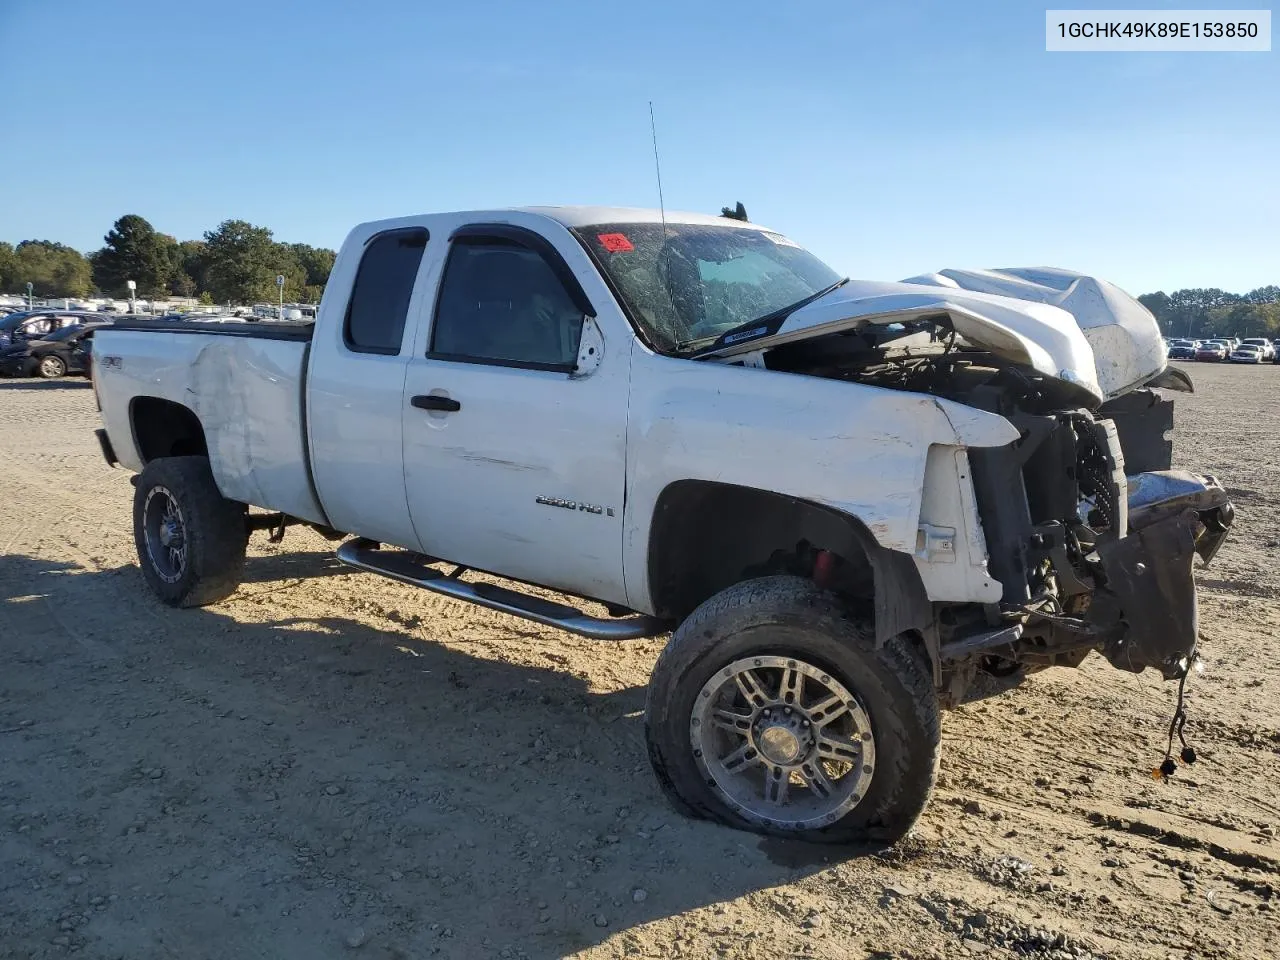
(790, 616)
(214, 530)
(50, 367)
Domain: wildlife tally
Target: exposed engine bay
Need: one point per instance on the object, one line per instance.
(1088, 528)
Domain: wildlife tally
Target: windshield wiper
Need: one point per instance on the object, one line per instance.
(734, 334)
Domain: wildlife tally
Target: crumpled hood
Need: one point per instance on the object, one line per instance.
(1127, 347)
(1053, 321)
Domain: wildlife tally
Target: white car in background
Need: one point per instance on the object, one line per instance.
(1247, 353)
(1262, 343)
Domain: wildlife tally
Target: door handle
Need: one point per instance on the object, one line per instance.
(433, 401)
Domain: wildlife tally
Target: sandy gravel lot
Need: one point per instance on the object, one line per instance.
(333, 765)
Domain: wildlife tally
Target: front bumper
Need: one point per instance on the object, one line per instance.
(21, 366)
(1146, 604)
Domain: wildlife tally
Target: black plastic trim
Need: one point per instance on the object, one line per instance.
(492, 362)
(434, 401)
(297, 330)
(1001, 493)
(531, 239)
(108, 452)
(304, 422)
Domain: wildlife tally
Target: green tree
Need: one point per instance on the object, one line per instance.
(241, 262)
(316, 261)
(8, 266)
(134, 251)
(735, 213)
(187, 267)
(295, 274)
(54, 269)
(1158, 304)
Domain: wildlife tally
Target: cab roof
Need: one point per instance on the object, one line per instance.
(581, 216)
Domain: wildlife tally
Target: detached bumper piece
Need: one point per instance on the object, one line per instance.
(1148, 602)
(1163, 493)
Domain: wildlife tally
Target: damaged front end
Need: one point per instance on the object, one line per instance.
(1092, 554)
(1145, 605)
(1086, 526)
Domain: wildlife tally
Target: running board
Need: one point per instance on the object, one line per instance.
(399, 565)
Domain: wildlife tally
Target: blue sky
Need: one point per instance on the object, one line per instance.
(891, 139)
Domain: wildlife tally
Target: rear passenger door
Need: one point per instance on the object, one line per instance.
(355, 386)
(515, 418)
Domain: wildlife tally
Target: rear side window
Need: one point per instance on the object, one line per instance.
(380, 297)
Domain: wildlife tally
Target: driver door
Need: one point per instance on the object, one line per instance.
(513, 449)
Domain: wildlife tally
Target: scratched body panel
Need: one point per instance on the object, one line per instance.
(859, 449)
(247, 393)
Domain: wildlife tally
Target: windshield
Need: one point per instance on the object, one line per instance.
(692, 283)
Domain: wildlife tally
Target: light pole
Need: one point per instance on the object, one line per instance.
(133, 287)
(30, 301)
(280, 287)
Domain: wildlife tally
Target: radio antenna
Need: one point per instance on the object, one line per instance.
(662, 207)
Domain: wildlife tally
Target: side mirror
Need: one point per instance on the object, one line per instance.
(590, 349)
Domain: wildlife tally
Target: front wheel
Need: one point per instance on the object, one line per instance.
(190, 539)
(51, 366)
(773, 710)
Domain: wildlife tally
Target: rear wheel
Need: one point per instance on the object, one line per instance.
(190, 539)
(774, 711)
(51, 366)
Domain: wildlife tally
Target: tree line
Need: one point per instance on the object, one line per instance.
(236, 262)
(1204, 312)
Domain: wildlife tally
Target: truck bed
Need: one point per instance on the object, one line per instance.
(245, 382)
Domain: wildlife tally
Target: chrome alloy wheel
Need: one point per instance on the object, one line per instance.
(785, 743)
(166, 535)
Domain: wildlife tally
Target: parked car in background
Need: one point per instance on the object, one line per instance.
(1247, 353)
(29, 324)
(1211, 350)
(49, 357)
(1182, 350)
(1262, 343)
(82, 352)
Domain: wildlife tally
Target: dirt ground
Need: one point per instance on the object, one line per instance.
(330, 764)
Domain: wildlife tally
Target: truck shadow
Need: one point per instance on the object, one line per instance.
(64, 383)
(285, 566)
(337, 782)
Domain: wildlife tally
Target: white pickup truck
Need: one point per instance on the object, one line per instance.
(848, 500)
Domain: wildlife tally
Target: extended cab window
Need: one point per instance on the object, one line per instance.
(502, 303)
(380, 297)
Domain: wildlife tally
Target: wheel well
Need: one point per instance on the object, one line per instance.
(163, 428)
(707, 536)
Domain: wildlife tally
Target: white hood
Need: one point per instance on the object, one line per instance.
(1127, 347)
(1053, 321)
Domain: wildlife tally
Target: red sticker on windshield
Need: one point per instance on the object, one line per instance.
(615, 242)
